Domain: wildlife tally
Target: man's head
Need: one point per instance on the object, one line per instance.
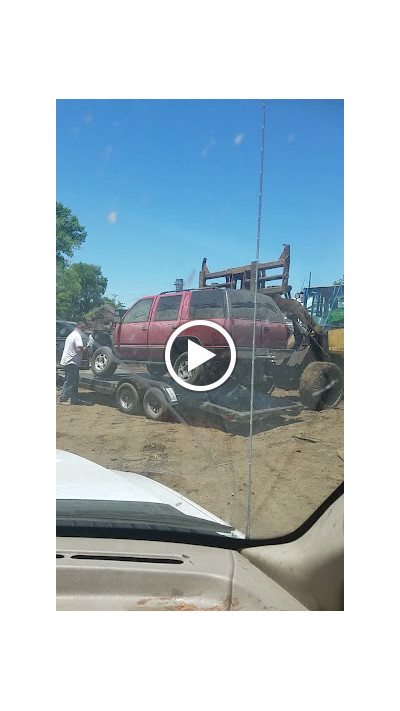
(81, 325)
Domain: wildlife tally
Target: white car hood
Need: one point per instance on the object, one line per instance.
(79, 478)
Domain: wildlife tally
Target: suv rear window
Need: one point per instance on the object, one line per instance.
(242, 306)
(207, 304)
(168, 308)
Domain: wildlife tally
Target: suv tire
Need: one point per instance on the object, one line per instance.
(103, 362)
(180, 368)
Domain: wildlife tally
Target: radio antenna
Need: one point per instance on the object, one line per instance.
(248, 527)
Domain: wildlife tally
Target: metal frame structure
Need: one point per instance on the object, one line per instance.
(245, 277)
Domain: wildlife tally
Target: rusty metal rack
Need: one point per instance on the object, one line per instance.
(244, 277)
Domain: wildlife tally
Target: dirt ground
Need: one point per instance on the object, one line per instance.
(291, 476)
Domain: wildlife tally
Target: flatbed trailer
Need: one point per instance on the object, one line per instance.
(161, 398)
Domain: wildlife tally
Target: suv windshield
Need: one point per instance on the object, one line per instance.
(199, 380)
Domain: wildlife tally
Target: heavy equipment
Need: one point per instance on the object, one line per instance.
(325, 304)
(307, 362)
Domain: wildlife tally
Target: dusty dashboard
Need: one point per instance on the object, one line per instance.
(109, 574)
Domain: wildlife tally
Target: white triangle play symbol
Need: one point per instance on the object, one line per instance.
(197, 355)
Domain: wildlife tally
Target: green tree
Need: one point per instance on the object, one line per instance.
(339, 282)
(70, 235)
(93, 285)
(80, 289)
(68, 290)
(113, 301)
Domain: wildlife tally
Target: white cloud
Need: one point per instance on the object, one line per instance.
(210, 144)
(238, 139)
(111, 217)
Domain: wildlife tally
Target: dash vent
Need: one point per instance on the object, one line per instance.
(128, 559)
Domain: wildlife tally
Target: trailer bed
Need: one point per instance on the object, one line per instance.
(230, 401)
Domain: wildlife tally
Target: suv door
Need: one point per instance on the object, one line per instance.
(274, 332)
(241, 307)
(133, 331)
(165, 319)
(208, 305)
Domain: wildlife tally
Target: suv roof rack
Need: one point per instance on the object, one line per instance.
(194, 288)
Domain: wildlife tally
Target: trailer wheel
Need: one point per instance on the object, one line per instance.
(155, 405)
(321, 385)
(103, 361)
(156, 369)
(128, 400)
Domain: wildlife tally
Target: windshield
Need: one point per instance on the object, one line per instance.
(208, 399)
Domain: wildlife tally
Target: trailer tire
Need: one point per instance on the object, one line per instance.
(155, 405)
(321, 385)
(128, 399)
(103, 361)
(156, 369)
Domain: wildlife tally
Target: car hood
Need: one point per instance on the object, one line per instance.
(82, 479)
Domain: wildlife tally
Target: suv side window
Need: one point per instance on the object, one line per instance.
(268, 310)
(242, 303)
(168, 308)
(207, 304)
(242, 306)
(139, 312)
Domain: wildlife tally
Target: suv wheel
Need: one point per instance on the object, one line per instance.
(181, 369)
(103, 362)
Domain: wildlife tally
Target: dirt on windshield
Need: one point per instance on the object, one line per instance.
(297, 462)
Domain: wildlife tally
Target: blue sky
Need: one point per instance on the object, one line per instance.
(160, 184)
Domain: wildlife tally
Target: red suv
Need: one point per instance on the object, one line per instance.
(144, 330)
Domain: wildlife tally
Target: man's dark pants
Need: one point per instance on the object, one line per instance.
(71, 382)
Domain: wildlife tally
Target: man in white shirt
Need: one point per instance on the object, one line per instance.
(71, 360)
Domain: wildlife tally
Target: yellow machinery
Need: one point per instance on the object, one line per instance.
(325, 304)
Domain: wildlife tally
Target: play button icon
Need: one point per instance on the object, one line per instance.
(188, 355)
(197, 355)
